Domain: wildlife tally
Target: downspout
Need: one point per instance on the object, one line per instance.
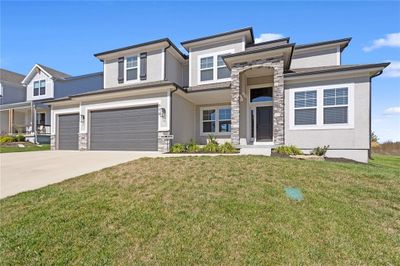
(170, 113)
(370, 112)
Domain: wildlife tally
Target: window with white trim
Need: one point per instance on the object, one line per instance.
(207, 68)
(336, 106)
(216, 120)
(222, 70)
(132, 68)
(213, 68)
(39, 87)
(305, 108)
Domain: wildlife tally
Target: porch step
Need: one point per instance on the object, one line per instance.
(256, 151)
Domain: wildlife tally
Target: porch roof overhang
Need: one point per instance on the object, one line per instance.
(116, 92)
(284, 50)
(20, 105)
(207, 96)
(371, 70)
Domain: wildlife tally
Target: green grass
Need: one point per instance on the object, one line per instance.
(210, 210)
(7, 149)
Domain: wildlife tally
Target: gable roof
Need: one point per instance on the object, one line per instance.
(10, 76)
(51, 72)
(54, 73)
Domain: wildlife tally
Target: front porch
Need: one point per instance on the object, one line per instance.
(26, 118)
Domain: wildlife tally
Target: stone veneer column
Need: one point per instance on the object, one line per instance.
(235, 105)
(53, 142)
(83, 141)
(163, 145)
(278, 97)
(278, 104)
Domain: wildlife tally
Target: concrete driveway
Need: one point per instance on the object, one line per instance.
(23, 171)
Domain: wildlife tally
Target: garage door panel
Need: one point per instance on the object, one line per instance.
(124, 129)
(68, 129)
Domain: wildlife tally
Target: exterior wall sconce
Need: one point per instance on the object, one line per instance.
(161, 112)
(82, 118)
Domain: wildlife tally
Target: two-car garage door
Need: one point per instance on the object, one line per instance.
(124, 129)
(132, 129)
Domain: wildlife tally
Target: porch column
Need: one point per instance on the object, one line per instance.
(10, 121)
(278, 104)
(235, 105)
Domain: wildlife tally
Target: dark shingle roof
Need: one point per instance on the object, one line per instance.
(13, 77)
(54, 73)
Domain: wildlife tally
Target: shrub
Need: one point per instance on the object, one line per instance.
(288, 150)
(227, 147)
(211, 147)
(320, 151)
(192, 146)
(212, 139)
(20, 138)
(7, 139)
(177, 148)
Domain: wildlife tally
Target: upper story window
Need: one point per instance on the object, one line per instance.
(207, 68)
(132, 68)
(222, 70)
(39, 87)
(213, 68)
(305, 104)
(336, 106)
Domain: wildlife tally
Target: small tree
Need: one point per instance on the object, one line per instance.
(374, 137)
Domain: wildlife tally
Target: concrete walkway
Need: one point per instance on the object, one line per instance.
(23, 171)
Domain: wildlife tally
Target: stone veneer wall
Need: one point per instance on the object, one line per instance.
(83, 141)
(278, 97)
(163, 145)
(53, 142)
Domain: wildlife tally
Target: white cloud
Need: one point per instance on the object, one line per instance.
(393, 70)
(390, 40)
(392, 110)
(265, 37)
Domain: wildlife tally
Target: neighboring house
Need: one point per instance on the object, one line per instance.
(22, 109)
(255, 95)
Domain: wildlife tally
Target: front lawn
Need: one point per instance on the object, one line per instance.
(210, 210)
(28, 147)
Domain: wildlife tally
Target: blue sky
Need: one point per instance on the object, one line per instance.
(65, 35)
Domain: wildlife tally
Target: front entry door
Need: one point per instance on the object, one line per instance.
(264, 123)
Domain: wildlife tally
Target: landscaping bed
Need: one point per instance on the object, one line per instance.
(18, 144)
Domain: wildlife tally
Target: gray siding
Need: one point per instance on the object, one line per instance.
(183, 119)
(77, 85)
(12, 93)
(236, 45)
(353, 138)
(315, 58)
(174, 70)
(154, 69)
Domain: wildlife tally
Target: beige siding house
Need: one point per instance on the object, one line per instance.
(255, 95)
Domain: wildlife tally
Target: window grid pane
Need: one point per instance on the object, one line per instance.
(206, 75)
(336, 97)
(209, 115)
(335, 115)
(305, 99)
(131, 62)
(206, 62)
(223, 72)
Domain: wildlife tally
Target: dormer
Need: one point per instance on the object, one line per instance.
(319, 54)
(40, 82)
(152, 61)
(206, 64)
